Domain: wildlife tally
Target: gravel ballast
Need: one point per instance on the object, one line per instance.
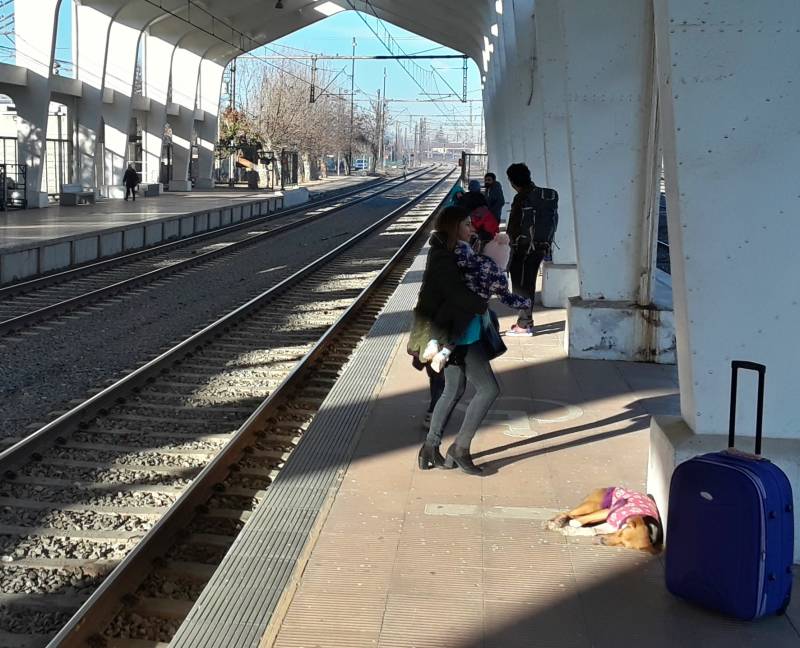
(40, 373)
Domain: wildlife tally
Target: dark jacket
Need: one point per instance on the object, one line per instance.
(131, 178)
(445, 305)
(495, 199)
(513, 229)
(472, 200)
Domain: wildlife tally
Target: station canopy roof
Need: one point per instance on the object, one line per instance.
(223, 29)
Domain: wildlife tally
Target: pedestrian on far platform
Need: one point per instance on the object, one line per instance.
(131, 181)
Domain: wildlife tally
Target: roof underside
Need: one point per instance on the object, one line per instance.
(222, 29)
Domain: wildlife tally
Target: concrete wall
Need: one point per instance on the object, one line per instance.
(120, 68)
(92, 43)
(34, 29)
(29, 261)
(560, 280)
(733, 200)
(157, 53)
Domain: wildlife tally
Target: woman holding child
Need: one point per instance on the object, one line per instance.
(452, 309)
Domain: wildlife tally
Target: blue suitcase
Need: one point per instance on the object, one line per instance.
(730, 529)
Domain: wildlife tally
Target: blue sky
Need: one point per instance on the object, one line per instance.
(64, 35)
(334, 36)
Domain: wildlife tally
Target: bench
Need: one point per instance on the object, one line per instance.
(73, 194)
(151, 190)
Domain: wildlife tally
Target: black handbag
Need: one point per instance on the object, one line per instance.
(493, 344)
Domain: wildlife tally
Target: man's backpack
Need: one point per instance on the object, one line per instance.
(539, 218)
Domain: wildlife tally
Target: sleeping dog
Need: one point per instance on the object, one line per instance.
(622, 517)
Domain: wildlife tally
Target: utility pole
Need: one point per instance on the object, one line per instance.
(233, 84)
(352, 105)
(383, 121)
(416, 142)
(480, 125)
(378, 118)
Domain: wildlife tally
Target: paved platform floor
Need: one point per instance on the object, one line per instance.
(408, 558)
(22, 228)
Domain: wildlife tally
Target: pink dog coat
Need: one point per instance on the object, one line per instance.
(625, 504)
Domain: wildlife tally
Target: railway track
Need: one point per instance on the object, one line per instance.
(33, 302)
(123, 506)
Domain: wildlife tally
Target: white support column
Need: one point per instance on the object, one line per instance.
(119, 76)
(560, 278)
(609, 50)
(185, 73)
(208, 129)
(729, 90)
(506, 49)
(502, 104)
(157, 54)
(491, 121)
(35, 30)
(92, 29)
(528, 99)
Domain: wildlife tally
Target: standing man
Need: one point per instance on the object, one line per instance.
(130, 180)
(531, 228)
(494, 195)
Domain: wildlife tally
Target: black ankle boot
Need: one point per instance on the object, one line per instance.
(430, 457)
(457, 456)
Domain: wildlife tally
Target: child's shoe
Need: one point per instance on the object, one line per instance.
(519, 331)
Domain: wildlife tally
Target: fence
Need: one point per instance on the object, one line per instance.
(473, 167)
(289, 168)
(57, 164)
(13, 186)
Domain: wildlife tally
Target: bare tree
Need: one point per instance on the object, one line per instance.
(275, 101)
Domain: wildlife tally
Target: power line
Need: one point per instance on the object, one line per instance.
(388, 47)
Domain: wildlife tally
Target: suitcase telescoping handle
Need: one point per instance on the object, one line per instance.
(736, 365)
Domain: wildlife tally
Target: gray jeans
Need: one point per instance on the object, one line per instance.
(477, 370)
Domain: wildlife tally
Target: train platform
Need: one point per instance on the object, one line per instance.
(38, 241)
(354, 546)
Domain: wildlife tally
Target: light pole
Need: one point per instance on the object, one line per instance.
(382, 126)
(352, 105)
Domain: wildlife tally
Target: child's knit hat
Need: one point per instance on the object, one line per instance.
(498, 250)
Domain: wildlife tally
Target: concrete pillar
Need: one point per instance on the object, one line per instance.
(119, 75)
(208, 129)
(492, 122)
(92, 39)
(529, 98)
(729, 90)
(609, 52)
(502, 104)
(560, 278)
(156, 56)
(34, 30)
(185, 73)
(506, 61)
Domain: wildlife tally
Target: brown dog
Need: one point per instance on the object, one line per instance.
(622, 517)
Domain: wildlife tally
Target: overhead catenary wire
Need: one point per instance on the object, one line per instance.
(389, 49)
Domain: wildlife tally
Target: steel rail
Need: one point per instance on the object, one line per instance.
(108, 597)
(53, 278)
(41, 314)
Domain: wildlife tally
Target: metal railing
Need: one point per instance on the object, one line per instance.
(13, 186)
(473, 166)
